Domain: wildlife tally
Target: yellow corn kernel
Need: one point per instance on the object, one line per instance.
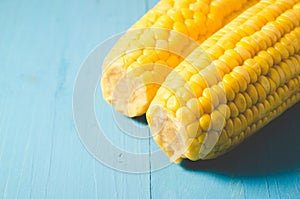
(234, 111)
(185, 115)
(263, 64)
(173, 103)
(273, 74)
(229, 80)
(193, 150)
(265, 83)
(172, 61)
(248, 100)
(210, 94)
(261, 92)
(210, 140)
(197, 78)
(221, 66)
(205, 122)
(217, 120)
(196, 89)
(237, 126)
(223, 137)
(249, 115)
(252, 74)
(206, 104)
(272, 86)
(143, 60)
(225, 111)
(175, 15)
(231, 63)
(244, 53)
(240, 103)
(243, 72)
(253, 93)
(183, 94)
(220, 94)
(229, 127)
(275, 55)
(194, 105)
(193, 129)
(281, 75)
(286, 70)
(240, 79)
(267, 57)
(230, 94)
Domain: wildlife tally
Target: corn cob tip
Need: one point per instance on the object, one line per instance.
(129, 96)
(109, 79)
(164, 128)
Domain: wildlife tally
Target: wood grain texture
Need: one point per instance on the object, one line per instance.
(42, 45)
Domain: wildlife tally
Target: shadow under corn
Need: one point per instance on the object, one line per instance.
(274, 149)
(141, 119)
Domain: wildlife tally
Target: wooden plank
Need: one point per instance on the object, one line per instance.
(151, 3)
(42, 45)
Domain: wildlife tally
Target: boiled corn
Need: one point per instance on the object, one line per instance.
(236, 82)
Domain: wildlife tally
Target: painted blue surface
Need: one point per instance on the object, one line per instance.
(42, 45)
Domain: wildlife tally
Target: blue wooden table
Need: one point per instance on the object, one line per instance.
(42, 46)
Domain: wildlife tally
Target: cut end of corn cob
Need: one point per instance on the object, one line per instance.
(110, 78)
(165, 36)
(170, 140)
(133, 91)
(254, 77)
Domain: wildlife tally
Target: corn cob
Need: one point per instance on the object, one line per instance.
(232, 85)
(158, 42)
